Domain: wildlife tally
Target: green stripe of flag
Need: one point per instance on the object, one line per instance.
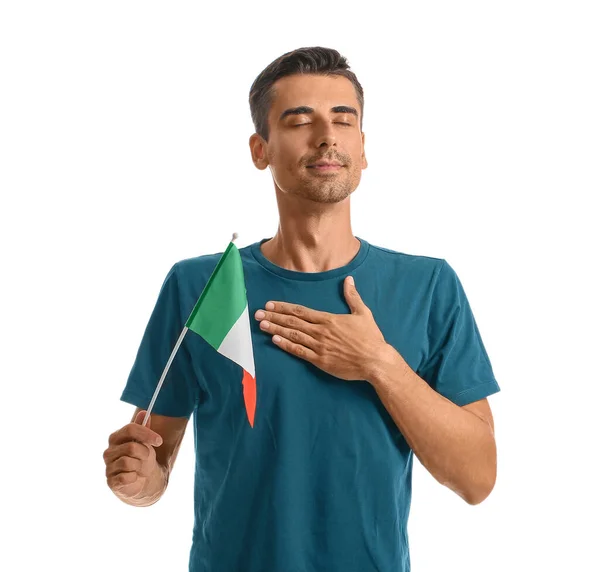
(222, 301)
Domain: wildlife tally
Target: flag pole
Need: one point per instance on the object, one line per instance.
(164, 373)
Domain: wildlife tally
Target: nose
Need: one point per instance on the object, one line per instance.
(325, 135)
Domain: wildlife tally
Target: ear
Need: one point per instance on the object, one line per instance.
(364, 157)
(258, 151)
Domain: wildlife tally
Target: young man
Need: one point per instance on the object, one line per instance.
(352, 378)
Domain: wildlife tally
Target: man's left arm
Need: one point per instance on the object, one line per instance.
(455, 444)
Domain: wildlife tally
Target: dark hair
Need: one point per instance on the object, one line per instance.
(317, 60)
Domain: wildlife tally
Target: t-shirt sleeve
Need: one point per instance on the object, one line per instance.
(180, 391)
(458, 366)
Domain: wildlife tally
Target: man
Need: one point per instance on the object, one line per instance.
(352, 378)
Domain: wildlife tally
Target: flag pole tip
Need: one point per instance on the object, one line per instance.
(235, 235)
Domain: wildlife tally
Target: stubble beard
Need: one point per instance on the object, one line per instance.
(326, 189)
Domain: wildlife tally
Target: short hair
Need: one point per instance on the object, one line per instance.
(317, 61)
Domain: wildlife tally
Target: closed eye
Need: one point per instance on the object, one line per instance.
(338, 122)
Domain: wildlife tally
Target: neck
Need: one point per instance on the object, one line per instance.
(313, 239)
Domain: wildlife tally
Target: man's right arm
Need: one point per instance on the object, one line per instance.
(153, 490)
(137, 468)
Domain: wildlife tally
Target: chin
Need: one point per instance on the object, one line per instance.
(330, 195)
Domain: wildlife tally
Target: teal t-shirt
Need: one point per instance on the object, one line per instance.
(323, 480)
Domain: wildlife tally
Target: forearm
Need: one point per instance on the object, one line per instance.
(154, 488)
(455, 446)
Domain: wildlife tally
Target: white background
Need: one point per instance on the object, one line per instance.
(124, 133)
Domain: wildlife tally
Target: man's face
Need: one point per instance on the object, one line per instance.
(311, 120)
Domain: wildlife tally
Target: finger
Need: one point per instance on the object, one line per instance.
(124, 465)
(353, 299)
(122, 479)
(302, 312)
(292, 323)
(291, 334)
(132, 449)
(296, 349)
(135, 432)
(139, 418)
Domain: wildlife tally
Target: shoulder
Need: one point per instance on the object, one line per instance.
(403, 257)
(414, 265)
(197, 266)
(187, 275)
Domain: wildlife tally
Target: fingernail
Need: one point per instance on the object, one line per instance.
(158, 441)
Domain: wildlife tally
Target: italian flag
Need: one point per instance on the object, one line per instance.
(221, 317)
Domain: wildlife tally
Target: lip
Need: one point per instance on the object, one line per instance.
(326, 164)
(325, 167)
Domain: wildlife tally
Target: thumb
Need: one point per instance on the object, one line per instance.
(156, 439)
(139, 418)
(352, 296)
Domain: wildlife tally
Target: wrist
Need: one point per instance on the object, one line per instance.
(158, 481)
(155, 486)
(388, 364)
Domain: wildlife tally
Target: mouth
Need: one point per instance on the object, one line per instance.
(325, 167)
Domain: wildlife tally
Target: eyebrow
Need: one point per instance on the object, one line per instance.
(302, 110)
